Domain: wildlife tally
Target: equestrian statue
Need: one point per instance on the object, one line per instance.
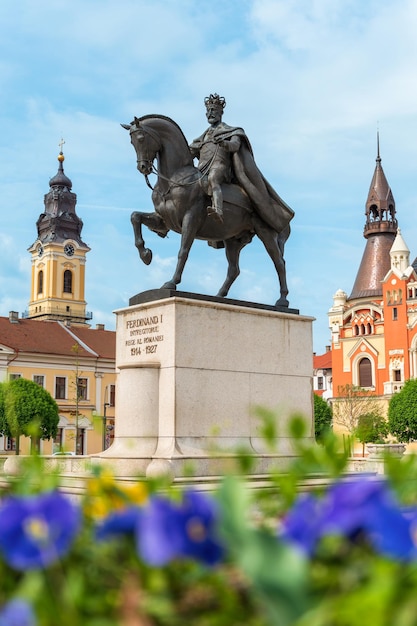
(225, 201)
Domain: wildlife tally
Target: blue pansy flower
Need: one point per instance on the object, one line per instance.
(350, 508)
(168, 530)
(36, 530)
(200, 528)
(17, 612)
(303, 524)
(370, 506)
(121, 522)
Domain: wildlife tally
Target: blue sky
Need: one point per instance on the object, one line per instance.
(309, 80)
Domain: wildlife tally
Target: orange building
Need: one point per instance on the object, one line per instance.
(374, 329)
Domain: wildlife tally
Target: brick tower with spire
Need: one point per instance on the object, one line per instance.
(374, 329)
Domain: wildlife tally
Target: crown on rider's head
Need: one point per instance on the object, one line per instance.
(215, 100)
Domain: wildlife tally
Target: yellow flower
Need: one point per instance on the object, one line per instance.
(137, 493)
(104, 495)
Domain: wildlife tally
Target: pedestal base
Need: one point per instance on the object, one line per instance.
(191, 372)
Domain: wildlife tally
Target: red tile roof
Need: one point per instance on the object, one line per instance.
(323, 361)
(103, 342)
(40, 337)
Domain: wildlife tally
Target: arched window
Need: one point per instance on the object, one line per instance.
(40, 281)
(67, 281)
(365, 373)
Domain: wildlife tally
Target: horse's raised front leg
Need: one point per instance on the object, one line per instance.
(274, 246)
(232, 249)
(155, 223)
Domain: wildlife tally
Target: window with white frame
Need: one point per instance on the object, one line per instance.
(365, 372)
(82, 388)
(60, 388)
(58, 440)
(10, 444)
(112, 395)
(396, 375)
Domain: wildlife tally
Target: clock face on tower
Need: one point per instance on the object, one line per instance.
(69, 249)
(39, 250)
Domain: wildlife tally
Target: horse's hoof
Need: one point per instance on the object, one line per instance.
(282, 302)
(169, 285)
(146, 256)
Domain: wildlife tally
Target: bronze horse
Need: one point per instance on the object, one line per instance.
(181, 205)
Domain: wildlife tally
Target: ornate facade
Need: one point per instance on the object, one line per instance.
(374, 329)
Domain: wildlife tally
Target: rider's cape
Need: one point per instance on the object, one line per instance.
(267, 203)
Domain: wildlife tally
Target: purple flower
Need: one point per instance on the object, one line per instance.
(370, 507)
(302, 525)
(350, 508)
(168, 530)
(121, 522)
(36, 530)
(17, 612)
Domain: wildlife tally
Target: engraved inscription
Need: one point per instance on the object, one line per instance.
(145, 333)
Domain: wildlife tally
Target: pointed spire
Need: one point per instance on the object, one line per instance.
(380, 204)
(399, 253)
(380, 230)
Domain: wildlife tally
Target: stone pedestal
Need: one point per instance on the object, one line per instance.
(191, 370)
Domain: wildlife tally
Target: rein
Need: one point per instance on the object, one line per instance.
(172, 183)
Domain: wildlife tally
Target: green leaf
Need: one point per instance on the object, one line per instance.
(277, 572)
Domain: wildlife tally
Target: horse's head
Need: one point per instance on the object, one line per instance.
(146, 144)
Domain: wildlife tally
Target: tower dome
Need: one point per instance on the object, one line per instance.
(60, 179)
(60, 221)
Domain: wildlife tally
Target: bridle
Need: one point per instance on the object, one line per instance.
(172, 183)
(138, 128)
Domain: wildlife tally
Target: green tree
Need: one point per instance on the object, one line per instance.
(322, 417)
(402, 412)
(372, 428)
(4, 429)
(27, 409)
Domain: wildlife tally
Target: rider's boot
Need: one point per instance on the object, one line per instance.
(216, 211)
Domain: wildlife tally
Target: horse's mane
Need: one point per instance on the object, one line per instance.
(162, 117)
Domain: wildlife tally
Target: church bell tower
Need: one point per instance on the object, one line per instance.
(380, 230)
(59, 256)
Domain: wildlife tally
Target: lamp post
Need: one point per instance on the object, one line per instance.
(106, 404)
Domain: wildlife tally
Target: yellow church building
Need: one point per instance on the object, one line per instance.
(53, 343)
